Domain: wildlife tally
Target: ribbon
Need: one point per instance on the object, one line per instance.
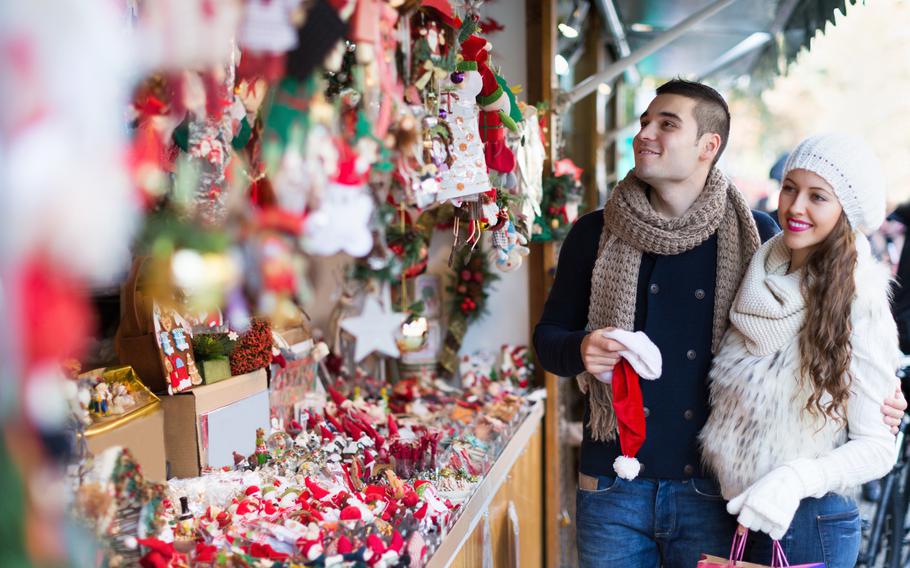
(430, 71)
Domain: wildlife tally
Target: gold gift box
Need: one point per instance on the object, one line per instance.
(146, 401)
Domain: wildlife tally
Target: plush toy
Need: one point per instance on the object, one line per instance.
(508, 248)
(496, 108)
(342, 222)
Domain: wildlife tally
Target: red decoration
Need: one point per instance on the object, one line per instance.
(567, 167)
(490, 26)
(629, 408)
(254, 350)
(351, 513)
(53, 312)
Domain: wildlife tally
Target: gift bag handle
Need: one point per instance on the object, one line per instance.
(737, 551)
(778, 558)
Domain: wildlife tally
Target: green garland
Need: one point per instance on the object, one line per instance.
(469, 290)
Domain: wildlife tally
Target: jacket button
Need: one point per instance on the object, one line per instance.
(688, 415)
(690, 354)
(699, 294)
(688, 471)
(654, 288)
(647, 411)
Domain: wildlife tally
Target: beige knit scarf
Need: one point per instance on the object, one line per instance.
(769, 309)
(632, 227)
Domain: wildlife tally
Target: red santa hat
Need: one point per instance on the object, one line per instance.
(630, 418)
(445, 11)
(640, 358)
(475, 51)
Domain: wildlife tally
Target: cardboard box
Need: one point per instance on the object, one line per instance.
(204, 426)
(142, 432)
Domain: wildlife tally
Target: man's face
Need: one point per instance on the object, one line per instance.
(667, 148)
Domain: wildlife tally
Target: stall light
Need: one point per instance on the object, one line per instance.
(604, 89)
(568, 31)
(561, 66)
(643, 28)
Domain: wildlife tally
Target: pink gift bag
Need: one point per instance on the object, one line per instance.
(778, 559)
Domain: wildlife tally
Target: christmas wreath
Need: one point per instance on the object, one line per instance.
(561, 203)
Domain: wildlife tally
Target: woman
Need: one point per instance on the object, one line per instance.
(810, 355)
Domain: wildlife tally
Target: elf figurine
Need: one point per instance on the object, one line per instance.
(262, 451)
(496, 108)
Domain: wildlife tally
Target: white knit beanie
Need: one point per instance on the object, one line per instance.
(850, 166)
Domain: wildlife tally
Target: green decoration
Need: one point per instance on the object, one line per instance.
(468, 28)
(12, 513)
(212, 352)
(181, 135)
(559, 192)
(514, 111)
(469, 290)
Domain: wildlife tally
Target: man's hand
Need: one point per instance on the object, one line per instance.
(600, 354)
(892, 410)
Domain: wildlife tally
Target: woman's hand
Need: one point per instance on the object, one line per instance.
(893, 410)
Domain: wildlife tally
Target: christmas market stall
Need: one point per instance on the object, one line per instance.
(234, 348)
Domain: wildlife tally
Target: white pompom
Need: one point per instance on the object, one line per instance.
(626, 467)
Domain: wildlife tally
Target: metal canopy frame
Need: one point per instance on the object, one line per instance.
(752, 45)
(616, 30)
(615, 69)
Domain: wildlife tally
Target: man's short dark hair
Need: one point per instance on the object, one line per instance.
(711, 111)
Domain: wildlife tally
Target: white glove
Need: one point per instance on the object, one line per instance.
(638, 350)
(769, 504)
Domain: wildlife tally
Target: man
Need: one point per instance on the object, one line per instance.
(665, 257)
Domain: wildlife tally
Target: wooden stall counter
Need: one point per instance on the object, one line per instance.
(503, 520)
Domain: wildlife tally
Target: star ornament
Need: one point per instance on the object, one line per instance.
(374, 330)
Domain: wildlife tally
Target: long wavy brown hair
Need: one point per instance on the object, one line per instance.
(824, 343)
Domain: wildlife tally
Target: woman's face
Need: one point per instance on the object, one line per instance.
(808, 212)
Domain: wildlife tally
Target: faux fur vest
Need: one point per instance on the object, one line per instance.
(758, 419)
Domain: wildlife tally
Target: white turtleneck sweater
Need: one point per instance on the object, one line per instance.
(758, 420)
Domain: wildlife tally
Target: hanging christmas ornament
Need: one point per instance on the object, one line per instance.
(342, 222)
(186, 34)
(374, 330)
(467, 174)
(509, 248)
(529, 158)
(495, 105)
(266, 33)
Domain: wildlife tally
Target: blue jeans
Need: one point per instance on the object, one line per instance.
(823, 530)
(647, 523)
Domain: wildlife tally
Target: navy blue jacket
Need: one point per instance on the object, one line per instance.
(675, 308)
